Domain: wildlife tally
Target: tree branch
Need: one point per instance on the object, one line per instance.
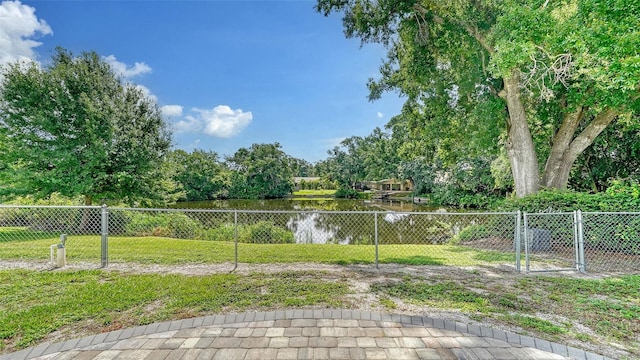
(560, 144)
(595, 127)
(473, 31)
(570, 123)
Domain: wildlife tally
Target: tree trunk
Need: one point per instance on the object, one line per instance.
(85, 222)
(520, 149)
(566, 149)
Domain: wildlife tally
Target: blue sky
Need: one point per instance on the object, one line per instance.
(226, 73)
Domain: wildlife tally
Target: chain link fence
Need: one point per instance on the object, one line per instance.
(543, 242)
(611, 242)
(360, 237)
(25, 222)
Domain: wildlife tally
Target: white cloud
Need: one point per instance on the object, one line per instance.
(221, 121)
(146, 92)
(188, 124)
(380, 115)
(126, 71)
(172, 110)
(224, 122)
(18, 26)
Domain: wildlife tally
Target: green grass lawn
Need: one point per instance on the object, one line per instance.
(554, 308)
(158, 250)
(34, 304)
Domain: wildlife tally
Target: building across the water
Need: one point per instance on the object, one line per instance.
(390, 185)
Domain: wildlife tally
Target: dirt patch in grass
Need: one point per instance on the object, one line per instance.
(594, 312)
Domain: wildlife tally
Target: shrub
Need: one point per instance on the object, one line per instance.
(408, 229)
(462, 199)
(179, 225)
(224, 232)
(470, 233)
(63, 220)
(343, 193)
(629, 236)
(119, 221)
(620, 196)
(545, 201)
(495, 227)
(265, 232)
(174, 224)
(609, 233)
(144, 224)
(439, 232)
(53, 199)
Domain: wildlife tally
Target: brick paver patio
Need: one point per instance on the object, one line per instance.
(305, 334)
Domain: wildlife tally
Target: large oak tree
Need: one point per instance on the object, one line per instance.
(552, 75)
(201, 174)
(74, 127)
(262, 171)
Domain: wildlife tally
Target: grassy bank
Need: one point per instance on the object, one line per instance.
(315, 193)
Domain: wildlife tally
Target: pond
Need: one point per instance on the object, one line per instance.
(339, 221)
(323, 204)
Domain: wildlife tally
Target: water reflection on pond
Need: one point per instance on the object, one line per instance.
(325, 204)
(339, 221)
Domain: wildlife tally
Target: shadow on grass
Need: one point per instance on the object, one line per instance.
(414, 260)
(486, 255)
(494, 256)
(351, 262)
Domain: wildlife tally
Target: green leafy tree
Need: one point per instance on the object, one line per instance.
(301, 167)
(261, 171)
(75, 128)
(201, 174)
(380, 154)
(346, 163)
(615, 155)
(549, 76)
(358, 159)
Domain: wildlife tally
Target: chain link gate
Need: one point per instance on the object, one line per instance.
(551, 242)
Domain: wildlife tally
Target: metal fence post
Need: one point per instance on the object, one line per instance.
(582, 267)
(375, 222)
(526, 243)
(104, 243)
(518, 239)
(575, 239)
(235, 239)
